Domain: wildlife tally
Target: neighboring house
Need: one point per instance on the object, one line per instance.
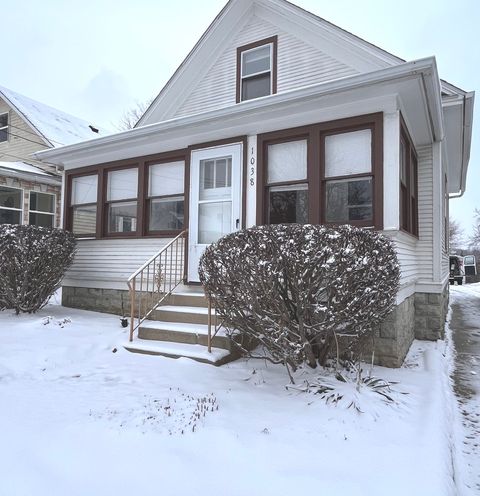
(30, 191)
(276, 116)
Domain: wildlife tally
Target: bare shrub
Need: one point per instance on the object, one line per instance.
(33, 261)
(303, 291)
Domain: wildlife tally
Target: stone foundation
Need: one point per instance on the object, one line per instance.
(430, 315)
(393, 339)
(420, 316)
(98, 300)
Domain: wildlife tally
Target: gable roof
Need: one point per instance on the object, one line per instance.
(231, 20)
(55, 127)
(343, 45)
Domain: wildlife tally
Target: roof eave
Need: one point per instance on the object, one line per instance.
(425, 68)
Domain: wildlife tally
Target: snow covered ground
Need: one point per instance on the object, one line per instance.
(77, 418)
(464, 330)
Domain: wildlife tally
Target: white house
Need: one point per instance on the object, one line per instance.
(276, 115)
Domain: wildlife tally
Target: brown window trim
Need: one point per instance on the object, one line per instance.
(408, 209)
(273, 40)
(142, 163)
(315, 135)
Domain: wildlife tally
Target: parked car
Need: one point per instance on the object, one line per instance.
(457, 271)
(470, 265)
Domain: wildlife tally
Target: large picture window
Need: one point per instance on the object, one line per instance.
(83, 202)
(256, 69)
(122, 193)
(42, 209)
(166, 196)
(328, 173)
(408, 183)
(11, 200)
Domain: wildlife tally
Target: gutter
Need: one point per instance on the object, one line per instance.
(425, 68)
(468, 103)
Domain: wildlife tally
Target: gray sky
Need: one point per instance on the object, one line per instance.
(95, 58)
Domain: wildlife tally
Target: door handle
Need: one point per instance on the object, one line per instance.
(237, 223)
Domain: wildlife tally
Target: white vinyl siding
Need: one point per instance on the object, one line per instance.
(107, 263)
(299, 64)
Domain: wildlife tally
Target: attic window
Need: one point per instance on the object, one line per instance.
(3, 127)
(257, 69)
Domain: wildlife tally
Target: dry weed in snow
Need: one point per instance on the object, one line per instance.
(179, 413)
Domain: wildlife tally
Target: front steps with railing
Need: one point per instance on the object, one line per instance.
(179, 328)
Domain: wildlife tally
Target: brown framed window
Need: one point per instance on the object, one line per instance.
(287, 186)
(83, 205)
(3, 127)
(348, 177)
(257, 69)
(122, 200)
(408, 164)
(42, 209)
(328, 173)
(166, 182)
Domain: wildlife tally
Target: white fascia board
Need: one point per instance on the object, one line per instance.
(467, 136)
(216, 120)
(337, 42)
(458, 140)
(207, 49)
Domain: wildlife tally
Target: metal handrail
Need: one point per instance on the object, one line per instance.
(216, 326)
(155, 280)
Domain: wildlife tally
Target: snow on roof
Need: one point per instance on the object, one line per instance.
(57, 127)
(23, 167)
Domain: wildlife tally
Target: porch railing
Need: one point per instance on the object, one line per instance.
(155, 280)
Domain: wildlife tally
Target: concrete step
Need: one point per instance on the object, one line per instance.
(181, 314)
(188, 298)
(177, 332)
(176, 350)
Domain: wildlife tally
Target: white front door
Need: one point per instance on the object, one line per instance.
(215, 199)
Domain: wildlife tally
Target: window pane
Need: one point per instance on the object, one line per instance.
(10, 216)
(348, 153)
(84, 189)
(3, 120)
(469, 260)
(122, 184)
(214, 221)
(84, 219)
(256, 60)
(166, 179)
(122, 217)
(10, 197)
(349, 200)
(43, 202)
(3, 134)
(166, 214)
(42, 220)
(216, 179)
(287, 161)
(256, 87)
(288, 204)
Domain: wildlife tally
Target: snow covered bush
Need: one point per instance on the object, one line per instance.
(33, 261)
(305, 292)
